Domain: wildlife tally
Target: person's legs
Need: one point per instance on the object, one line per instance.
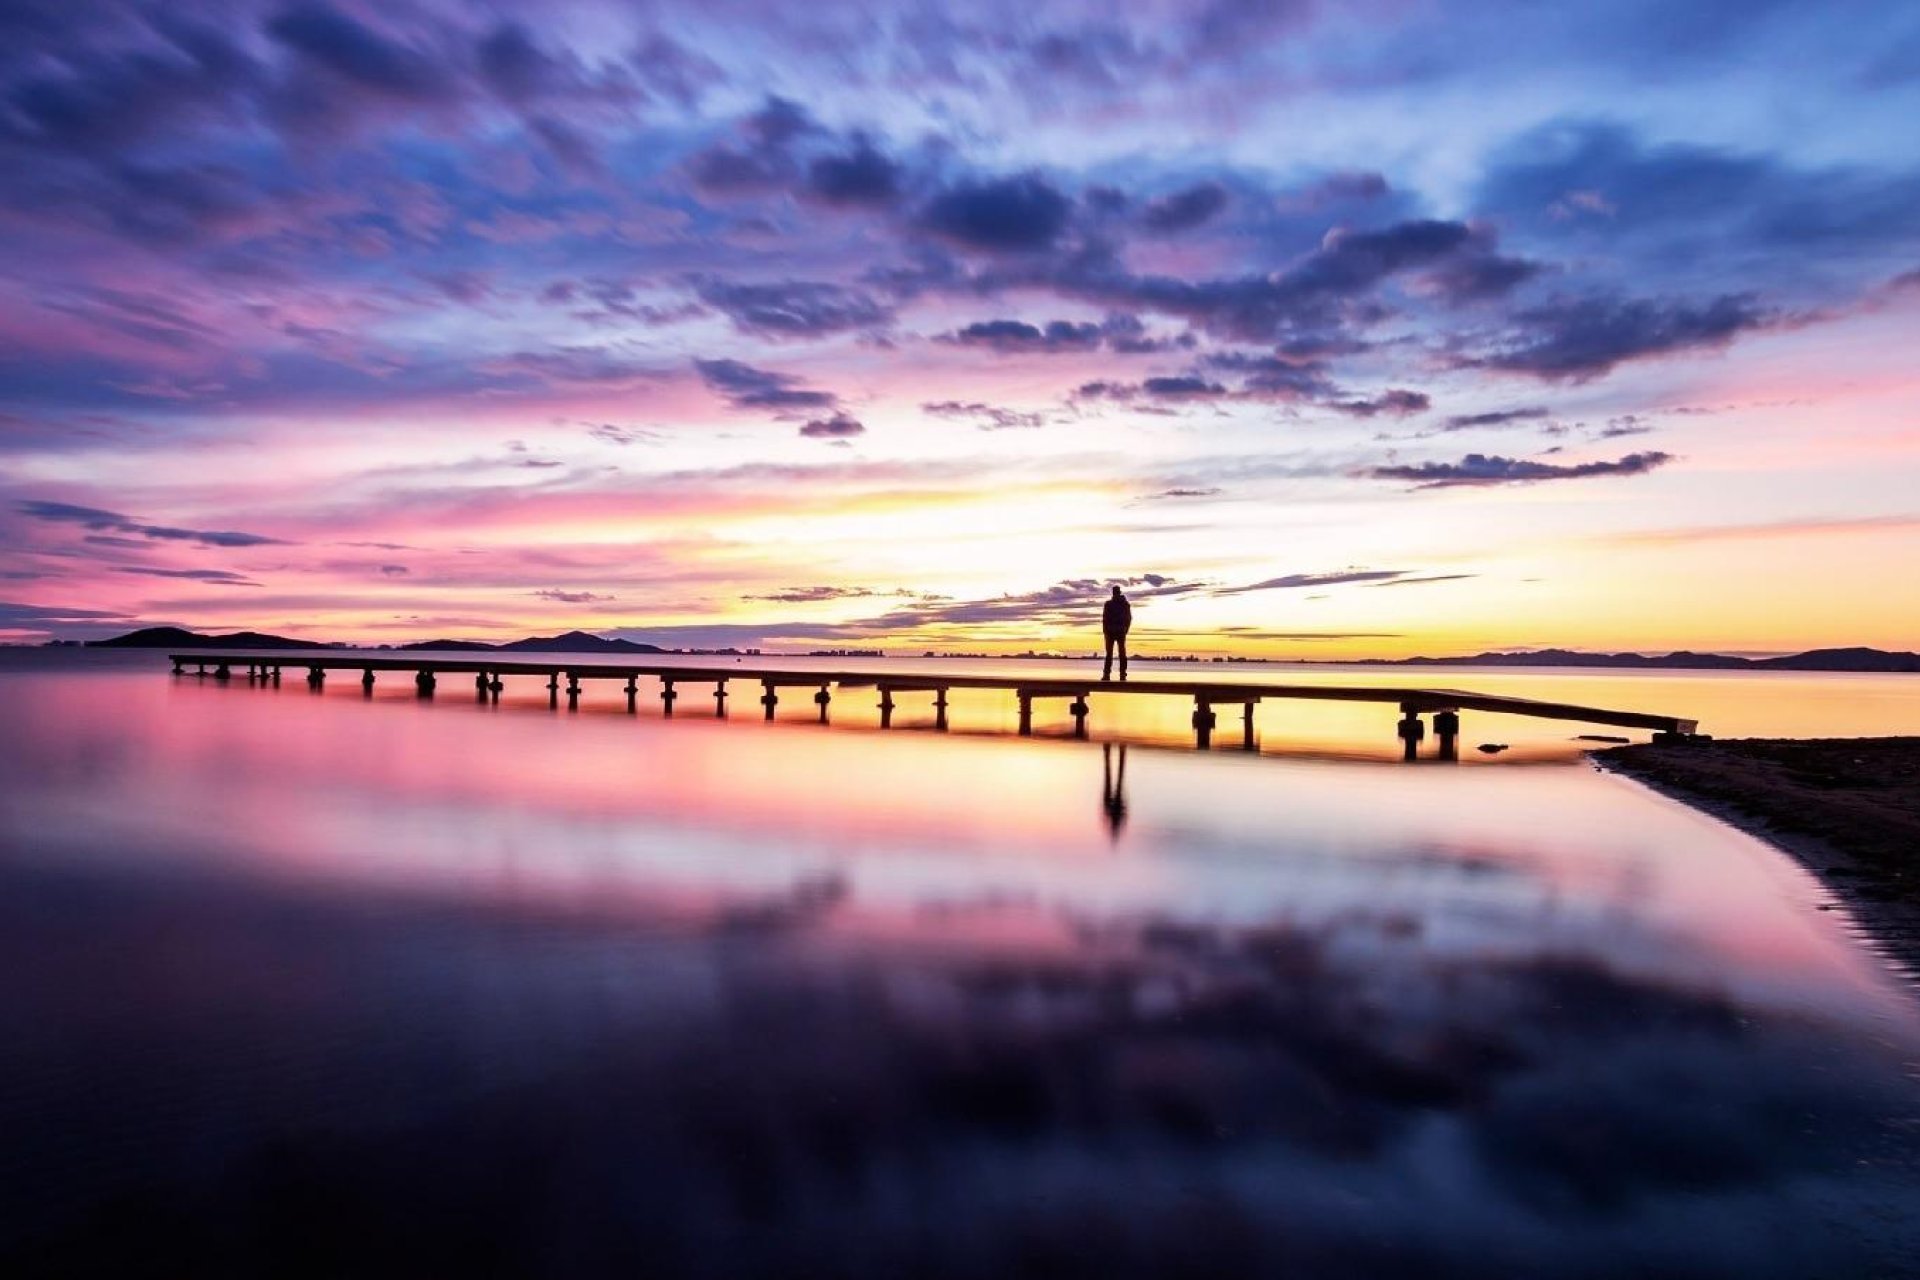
(1122, 643)
(1106, 669)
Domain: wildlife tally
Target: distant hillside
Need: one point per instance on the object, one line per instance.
(1857, 659)
(578, 642)
(446, 644)
(180, 638)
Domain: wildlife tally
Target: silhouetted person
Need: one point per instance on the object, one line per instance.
(1115, 621)
(1113, 788)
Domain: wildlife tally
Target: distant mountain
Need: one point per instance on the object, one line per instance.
(1857, 659)
(1844, 660)
(578, 642)
(180, 638)
(446, 644)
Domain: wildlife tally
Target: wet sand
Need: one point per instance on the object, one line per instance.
(1848, 808)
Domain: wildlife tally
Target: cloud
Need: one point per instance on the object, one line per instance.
(1120, 333)
(859, 177)
(570, 597)
(746, 387)
(814, 595)
(1015, 337)
(1018, 214)
(1273, 377)
(1682, 209)
(1301, 581)
(1312, 299)
(840, 426)
(104, 521)
(1575, 340)
(1181, 388)
(222, 577)
(330, 40)
(987, 417)
(794, 308)
(1486, 469)
(1395, 403)
(1184, 493)
(1432, 577)
(1184, 210)
(1495, 418)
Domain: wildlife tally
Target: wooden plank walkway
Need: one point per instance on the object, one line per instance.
(1444, 705)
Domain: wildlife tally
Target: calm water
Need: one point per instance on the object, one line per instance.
(331, 985)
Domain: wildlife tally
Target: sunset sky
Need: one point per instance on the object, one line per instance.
(1351, 330)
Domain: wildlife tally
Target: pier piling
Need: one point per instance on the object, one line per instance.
(1411, 730)
(1204, 720)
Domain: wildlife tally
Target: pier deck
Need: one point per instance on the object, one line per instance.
(1443, 705)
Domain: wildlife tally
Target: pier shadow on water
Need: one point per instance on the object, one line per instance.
(451, 1000)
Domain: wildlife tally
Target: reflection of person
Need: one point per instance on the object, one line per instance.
(1113, 790)
(1115, 621)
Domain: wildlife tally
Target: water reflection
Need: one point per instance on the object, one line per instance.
(1113, 787)
(299, 984)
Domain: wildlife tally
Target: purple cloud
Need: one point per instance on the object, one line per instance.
(1478, 469)
(745, 387)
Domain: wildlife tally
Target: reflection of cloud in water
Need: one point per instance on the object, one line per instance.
(440, 1093)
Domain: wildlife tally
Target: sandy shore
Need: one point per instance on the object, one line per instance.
(1848, 808)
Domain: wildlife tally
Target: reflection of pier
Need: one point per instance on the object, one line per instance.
(1443, 705)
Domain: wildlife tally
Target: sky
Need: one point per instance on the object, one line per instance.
(1356, 330)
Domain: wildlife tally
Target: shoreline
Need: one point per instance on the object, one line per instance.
(1846, 809)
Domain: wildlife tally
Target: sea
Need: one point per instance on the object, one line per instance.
(353, 982)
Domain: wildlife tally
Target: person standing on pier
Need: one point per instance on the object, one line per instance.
(1115, 621)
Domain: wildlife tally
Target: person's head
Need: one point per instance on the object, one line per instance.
(1116, 589)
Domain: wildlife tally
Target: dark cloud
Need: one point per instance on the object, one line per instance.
(746, 387)
(1185, 493)
(1184, 210)
(766, 163)
(571, 597)
(112, 521)
(1011, 337)
(1023, 213)
(1122, 334)
(794, 308)
(988, 417)
(1395, 402)
(861, 176)
(1273, 377)
(1627, 424)
(93, 101)
(1180, 388)
(1582, 338)
(1474, 277)
(1488, 469)
(1687, 209)
(1318, 299)
(221, 577)
(840, 426)
(355, 52)
(1495, 418)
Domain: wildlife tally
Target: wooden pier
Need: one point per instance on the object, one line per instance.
(1443, 705)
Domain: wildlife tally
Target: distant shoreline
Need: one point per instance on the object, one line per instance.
(1847, 809)
(1851, 659)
